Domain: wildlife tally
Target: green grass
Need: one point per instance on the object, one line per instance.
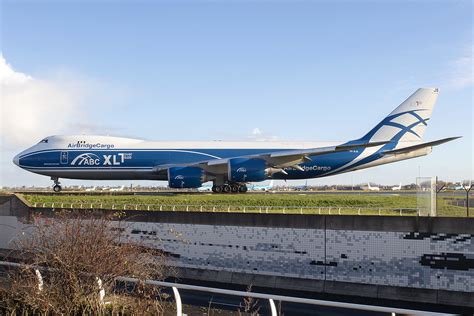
(271, 203)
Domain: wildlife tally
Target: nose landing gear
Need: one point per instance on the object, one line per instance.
(57, 185)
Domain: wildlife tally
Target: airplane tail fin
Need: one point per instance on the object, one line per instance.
(408, 121)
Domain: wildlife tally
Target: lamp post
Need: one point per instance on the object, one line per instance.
(467, 188)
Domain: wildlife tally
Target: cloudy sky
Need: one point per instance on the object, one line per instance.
(232, 70)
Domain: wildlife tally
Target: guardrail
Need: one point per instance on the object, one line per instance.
(270, 297)
(321, 210)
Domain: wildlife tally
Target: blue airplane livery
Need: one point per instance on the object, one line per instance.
(231, 165)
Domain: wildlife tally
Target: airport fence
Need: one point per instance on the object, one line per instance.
(321, 210)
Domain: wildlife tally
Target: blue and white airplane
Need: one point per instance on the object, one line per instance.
(231, 165)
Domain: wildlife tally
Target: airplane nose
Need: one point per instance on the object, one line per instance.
(16, 160)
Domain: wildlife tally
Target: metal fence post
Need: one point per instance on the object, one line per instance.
(101, 290)
(273, 307)
(39, 277)
(179, 306)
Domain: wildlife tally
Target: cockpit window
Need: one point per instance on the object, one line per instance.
(44, 141)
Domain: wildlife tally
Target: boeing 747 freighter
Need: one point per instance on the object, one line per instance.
(231, 165)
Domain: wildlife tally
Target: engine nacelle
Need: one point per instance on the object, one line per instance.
(185, 177)
(246, 170)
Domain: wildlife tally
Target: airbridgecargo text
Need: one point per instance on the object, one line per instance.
(83, 144)
(311, 168)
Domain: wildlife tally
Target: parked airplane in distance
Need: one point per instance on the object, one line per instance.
(397, 188)
(117, 189)
(302, 187)
(205, 188)
(370, 188)
(265, 188)
(91, 189)
(231, 165)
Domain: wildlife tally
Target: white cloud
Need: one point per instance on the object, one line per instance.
(32, 108)
(460, 71)
(9, 76)
(256, 131)
(258, 135)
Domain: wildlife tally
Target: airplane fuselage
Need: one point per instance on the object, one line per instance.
(113, 158)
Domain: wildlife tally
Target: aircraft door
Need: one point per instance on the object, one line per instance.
(64, 158)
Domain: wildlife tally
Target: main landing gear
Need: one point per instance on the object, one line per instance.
(57, 186)
(230, 188)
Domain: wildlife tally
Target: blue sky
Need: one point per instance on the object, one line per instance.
(203, 70)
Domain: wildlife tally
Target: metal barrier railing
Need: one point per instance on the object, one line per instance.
(270, 297)
(262, 209)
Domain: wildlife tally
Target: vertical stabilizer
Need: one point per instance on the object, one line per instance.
(408, 121)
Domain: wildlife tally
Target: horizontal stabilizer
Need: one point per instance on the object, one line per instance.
(420, 146)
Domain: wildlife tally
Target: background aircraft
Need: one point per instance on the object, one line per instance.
(397, 188)
(370, 188)
(302, 187)
(117, 189)
(231, 165)
(265, 188)
(205, 188)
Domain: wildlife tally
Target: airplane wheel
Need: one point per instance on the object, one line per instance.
(217, 189)
(234, 188)
(226, 188)
(243, 189)
(57, 188)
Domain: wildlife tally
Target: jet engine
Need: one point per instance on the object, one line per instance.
(186, 177)
(247, 169)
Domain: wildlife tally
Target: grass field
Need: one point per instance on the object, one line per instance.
(271, 203)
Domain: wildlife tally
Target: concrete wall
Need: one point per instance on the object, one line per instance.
(407, 258)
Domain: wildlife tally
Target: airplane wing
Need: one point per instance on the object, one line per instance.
(293, 157)
(277, 159)
(405, 150)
